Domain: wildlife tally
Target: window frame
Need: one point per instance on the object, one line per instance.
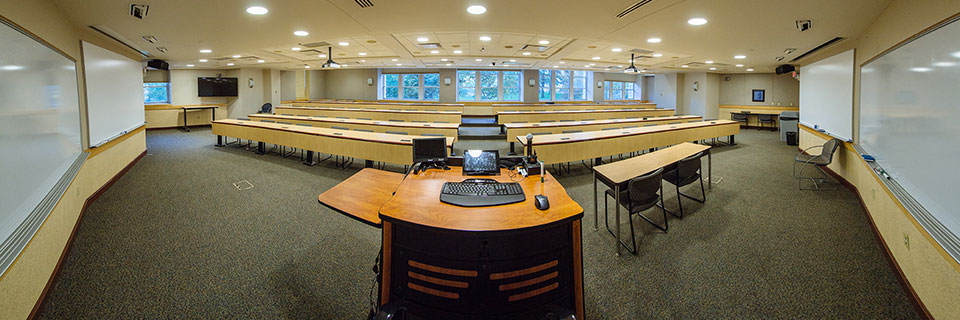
(587, 89)
(382, 91)
(166, 84)
(626, 86)
(478, 85)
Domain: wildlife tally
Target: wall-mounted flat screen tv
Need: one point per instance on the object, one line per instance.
(216, 87)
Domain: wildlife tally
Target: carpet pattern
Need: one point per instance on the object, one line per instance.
(174, 238)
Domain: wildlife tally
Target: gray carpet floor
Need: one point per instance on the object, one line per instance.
(174, 238)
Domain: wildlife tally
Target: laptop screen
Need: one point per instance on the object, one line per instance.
(481, 162)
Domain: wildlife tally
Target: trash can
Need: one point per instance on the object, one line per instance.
(789, 121)
(791, 138)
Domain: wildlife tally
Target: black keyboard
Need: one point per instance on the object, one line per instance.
(481, 193)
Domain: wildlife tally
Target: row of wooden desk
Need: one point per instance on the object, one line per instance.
(372, 114)
(372, 146)
(504, 117)
(411, 128)
(522, 129)
(562, 107)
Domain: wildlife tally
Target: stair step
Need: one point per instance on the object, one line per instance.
(475, 121)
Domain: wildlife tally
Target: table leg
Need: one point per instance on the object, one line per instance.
(213, 115)
(185, 121)
(617, 204)
(368, 163)
(511, 148)
(595, 209)
(732, 142)
(261, 148)
(709, 169)
(309, 160)
(219, 140)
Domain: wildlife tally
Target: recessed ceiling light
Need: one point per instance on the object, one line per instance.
(423, 39)
(739, 56)
(301, 33)
(190, 65)
(749, 69)
(476, 9)
(321, 56)
(295, 48)
(697, 21)
(595, 58)
(684, 66)
(343, 43)
(513, 60)
(458, 51)
(362, 60)
(920, 69)
(556, 66)
(203, 60)
(257, 10)
(563, 62)
(434, 51)
(527, 53)
(394, 60)
(654, 40)
(362, 53)
(484, 38)
(616, 49)
(544, 42)
(449, 64)
(944, 64)
(230, 64)
(739, 66)
(399, 64)
(657, 55)
(236, 56)
(444, 59)
(591, 64)
(307, 67)
(205, 51)
(956, 54)
(712, 68)
(708, 62)
(478, 60)
(261, 61)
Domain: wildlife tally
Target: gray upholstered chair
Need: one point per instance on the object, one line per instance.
(767, 118)
(739, 117)
(641, 193)
(686, 172)
(819, 161)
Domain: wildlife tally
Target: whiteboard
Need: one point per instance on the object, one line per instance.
(826, 95)
(39, 135)
(114, 94)
(909, 117)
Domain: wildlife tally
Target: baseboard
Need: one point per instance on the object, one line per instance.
(177, 127)
(917, 303)
(66, 249)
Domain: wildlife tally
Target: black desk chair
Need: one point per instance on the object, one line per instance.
(266, 108)
(821, 160)
(739, 117)
(686, 172)
(641, 193)
(766, 118)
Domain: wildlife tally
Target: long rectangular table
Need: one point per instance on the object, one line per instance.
(558, 107)
(570, 115)
(383, 105)
(522, 129)
(412, 128)
(213, 114)
(616, 174)
(569, 147)
(382, 147)
(373, 114)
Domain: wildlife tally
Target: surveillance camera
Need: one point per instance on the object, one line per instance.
(493, 64)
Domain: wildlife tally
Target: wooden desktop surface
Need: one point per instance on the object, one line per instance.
(565, 115)
(414, 128)
(624, 170)
(332, 133)
(375, 114)
(361, 195)
(516, 129)
(598, 135)
(383, 110)
(418, 201)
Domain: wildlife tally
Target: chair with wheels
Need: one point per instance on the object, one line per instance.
(819, 161)
(686, 172)
(641, 193)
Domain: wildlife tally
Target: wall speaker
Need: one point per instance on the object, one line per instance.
(785, 68)
(158, 64)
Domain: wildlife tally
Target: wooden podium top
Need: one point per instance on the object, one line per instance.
(418, 201)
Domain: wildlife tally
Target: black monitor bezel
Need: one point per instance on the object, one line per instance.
(493, 172)
(443, 142)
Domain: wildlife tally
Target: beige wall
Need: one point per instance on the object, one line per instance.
(667, 91)
(156, 76)
(288, 85)
(24, 281)
(934, 276)
(531, 94)
(351, 84)
(780, 90)
(183, 86)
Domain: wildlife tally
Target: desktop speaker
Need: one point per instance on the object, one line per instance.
(158, 64)
(786, 68)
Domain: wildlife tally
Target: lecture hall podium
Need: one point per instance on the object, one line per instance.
(447, 262)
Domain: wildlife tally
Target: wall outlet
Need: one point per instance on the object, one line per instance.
(906, 241)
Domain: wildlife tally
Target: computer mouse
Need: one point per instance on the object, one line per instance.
(542, 202)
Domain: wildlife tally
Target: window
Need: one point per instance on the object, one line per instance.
(156, 92)
(618, 90)
(566, 85)
(391, 87)
(489, 85)
(545, 83)
(412, 86)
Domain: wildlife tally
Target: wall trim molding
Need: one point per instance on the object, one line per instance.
(66, 249)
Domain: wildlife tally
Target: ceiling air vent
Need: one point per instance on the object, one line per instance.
(139, 10)
(162, 49)
(150, 39)
(364, 3)
(633, 7)
(429, 46)
(642, 51)
(533, 47)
